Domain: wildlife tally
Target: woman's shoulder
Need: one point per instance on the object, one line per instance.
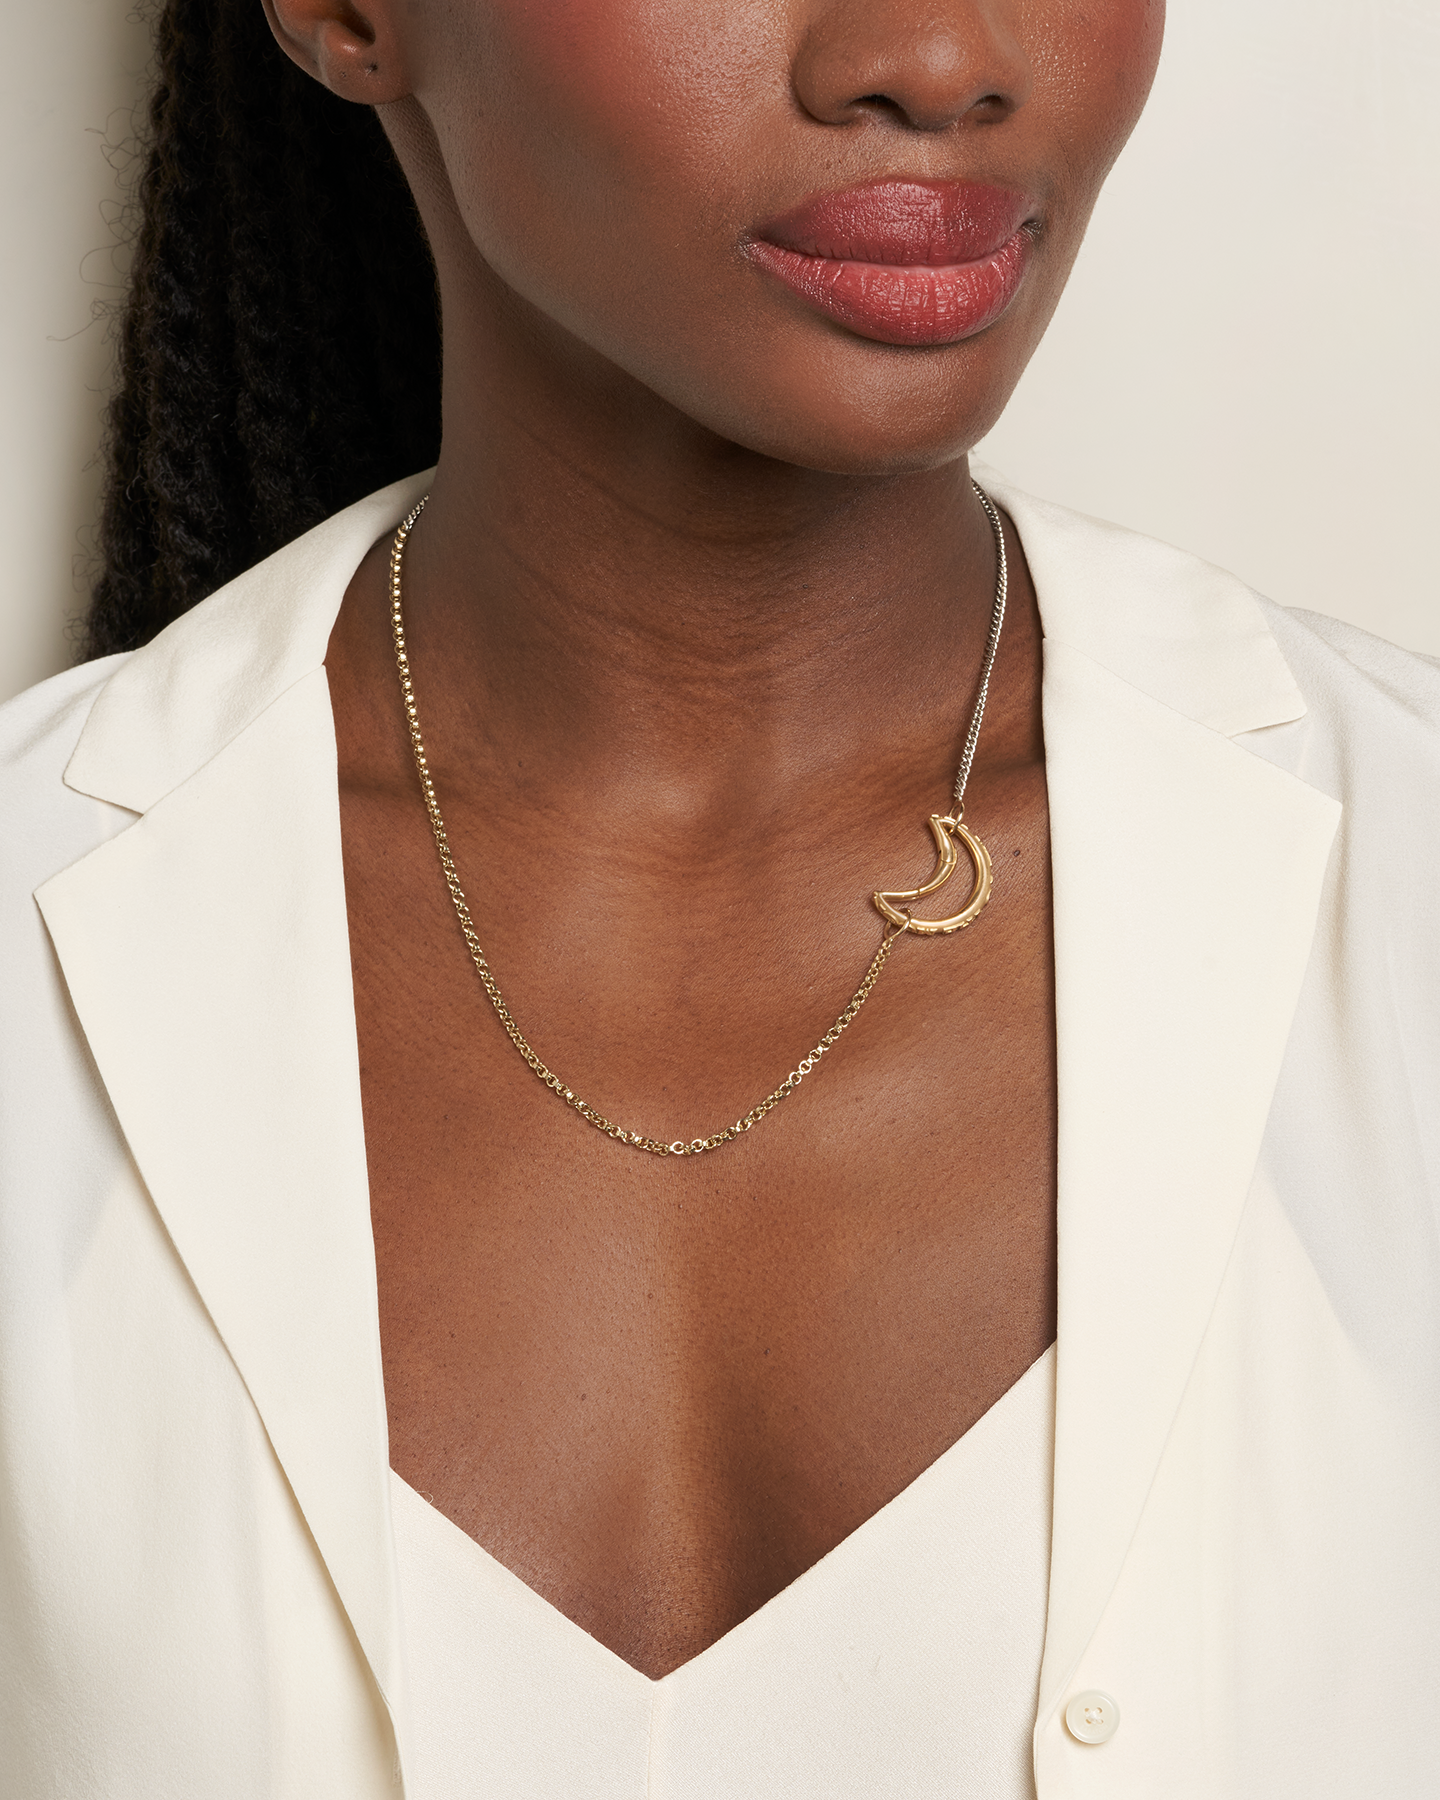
(44, 825)
(1345, 668)
(1369, 737)
(43, 722)
(1201, 639)
(143, 720)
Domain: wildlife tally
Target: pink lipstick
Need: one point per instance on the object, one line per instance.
(902, 262)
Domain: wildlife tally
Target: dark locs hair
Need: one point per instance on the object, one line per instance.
(278, 353)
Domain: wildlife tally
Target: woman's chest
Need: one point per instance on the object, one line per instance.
(659, 1389)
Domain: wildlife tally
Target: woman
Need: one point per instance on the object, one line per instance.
(373, 1420)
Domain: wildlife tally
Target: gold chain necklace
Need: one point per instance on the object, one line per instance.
(949, 833)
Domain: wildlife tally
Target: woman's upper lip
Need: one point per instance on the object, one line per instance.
(905, 221)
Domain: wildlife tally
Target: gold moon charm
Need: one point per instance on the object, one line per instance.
(945, 831)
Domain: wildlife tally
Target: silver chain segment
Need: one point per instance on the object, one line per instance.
(992, 645)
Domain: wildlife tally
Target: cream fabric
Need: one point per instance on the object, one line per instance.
(197, 1563)
(903, 1666)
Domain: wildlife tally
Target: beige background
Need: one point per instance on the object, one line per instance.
(1245, 363)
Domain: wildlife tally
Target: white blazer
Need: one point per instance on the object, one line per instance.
(197, 1581)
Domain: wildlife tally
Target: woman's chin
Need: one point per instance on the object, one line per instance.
(890, 415)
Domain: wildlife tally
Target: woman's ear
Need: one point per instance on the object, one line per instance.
(351, 48)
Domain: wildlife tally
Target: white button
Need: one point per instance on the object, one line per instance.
(1092, 1717)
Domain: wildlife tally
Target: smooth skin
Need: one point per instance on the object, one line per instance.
(695, 615)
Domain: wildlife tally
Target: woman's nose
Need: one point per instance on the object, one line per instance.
(926, 64)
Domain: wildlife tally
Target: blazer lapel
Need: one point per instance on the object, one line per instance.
(206, 951)
(1187, 880)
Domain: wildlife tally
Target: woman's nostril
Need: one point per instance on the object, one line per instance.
(911, 112)
(877, 103)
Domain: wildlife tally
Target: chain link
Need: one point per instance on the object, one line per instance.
(592, 1116)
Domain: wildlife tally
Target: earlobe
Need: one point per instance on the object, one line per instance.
(349, 48)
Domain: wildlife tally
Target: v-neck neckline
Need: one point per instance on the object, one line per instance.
(886, 1518)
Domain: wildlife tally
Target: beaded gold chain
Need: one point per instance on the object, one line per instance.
(948, 830)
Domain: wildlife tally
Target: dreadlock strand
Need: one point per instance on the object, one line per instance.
(270, 366)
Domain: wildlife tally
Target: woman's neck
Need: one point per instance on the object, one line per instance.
(611, 598)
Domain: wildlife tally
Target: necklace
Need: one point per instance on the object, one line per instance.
(951, 835)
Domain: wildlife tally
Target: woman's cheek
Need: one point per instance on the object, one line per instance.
(581, 135)
(612, 72)
(1095, 62)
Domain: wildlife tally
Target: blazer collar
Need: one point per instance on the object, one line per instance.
(173, 705)
(1189, 635)
(206, 950)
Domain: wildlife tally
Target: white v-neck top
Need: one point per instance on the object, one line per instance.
(903, 1665)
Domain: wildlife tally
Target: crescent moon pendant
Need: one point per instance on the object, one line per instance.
(945, 830)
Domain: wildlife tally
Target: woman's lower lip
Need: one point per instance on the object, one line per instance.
(902, 303)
